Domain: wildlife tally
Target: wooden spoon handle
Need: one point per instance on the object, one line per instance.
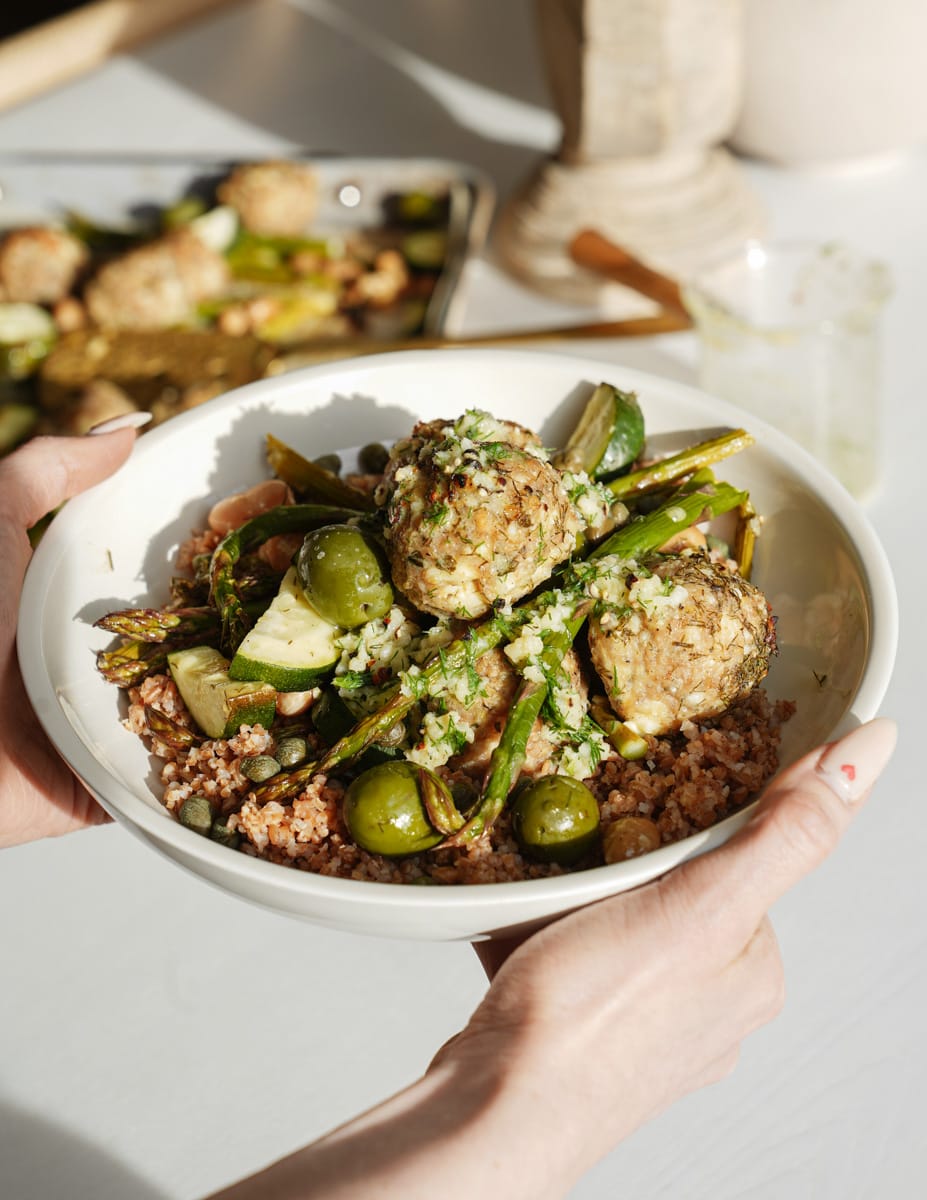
(591, 250)
(290, 357)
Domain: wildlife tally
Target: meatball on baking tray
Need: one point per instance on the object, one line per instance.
(158, 284)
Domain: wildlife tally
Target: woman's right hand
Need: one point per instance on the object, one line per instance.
(620, 1009)
(601, 1020)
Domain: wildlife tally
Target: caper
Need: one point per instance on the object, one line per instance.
(372, 458)
(259, 768)
(329, 462)
(345, 575)
(555, 819)
(384, 812)
(291, 751)
(220, 832)
(392, 737)
(196, 814)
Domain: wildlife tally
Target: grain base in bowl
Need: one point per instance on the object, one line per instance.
(688, 783)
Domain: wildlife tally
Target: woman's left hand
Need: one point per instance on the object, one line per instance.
(39, 796)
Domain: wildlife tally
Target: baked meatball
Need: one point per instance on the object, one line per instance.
(40, 265)
(488, 711)
(470, 523)
(275, 198)
(684, 640)
(158, 285)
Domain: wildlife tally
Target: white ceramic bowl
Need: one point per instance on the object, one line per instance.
(818, 561)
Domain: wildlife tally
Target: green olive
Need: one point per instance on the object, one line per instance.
(345, 575)
(384, 812)
(555, 819)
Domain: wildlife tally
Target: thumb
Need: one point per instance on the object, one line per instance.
(799, 821)
(45, 472)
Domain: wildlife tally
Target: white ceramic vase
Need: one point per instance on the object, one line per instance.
(830, 81)
(647, 93)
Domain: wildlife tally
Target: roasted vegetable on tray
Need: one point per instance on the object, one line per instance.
(186, 302)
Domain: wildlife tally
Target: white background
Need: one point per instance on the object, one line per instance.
(158, 1039)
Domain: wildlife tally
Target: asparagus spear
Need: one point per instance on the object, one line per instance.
(509, 755)
(438, 804)
(745, 538)
(686, 507)
(639, 537)
(128, 665)
(171, 732)
(150, 634)
(670, 470)
(157, 625)
(311, 481)
(627, 742)
(191, 620)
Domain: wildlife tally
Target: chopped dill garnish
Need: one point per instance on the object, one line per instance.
(352, 681)
(455, 738)
(589, 734)
(542, 545)
(437, 514)
(493, 451)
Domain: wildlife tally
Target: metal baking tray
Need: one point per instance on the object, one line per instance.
(117, 190)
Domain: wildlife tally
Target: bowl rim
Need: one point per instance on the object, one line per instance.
(156, 824)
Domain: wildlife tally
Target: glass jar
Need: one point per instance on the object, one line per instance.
(791, 332)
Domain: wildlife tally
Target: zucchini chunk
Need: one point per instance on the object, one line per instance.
(218, 704)
(292, 646)
(609, 436)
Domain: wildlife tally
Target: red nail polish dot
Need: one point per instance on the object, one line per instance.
(849, 770)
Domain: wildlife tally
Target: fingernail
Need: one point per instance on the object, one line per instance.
(851, 766)
(129, 420)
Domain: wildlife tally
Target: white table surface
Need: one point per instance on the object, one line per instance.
(158, 1039)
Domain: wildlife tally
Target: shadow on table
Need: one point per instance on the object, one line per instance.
(40, 1160)
(375, 104)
